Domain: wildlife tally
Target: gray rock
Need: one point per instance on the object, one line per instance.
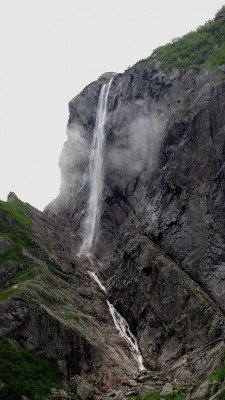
(12, 197)
(131, 383)
(4, 245)
(132, 393)
(60, 395)
(144, 378)
(107, 75)
(222, 68)
(167, 390)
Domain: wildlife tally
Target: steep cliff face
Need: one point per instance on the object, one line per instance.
(163, 166)
(160, 247)
(161, 238)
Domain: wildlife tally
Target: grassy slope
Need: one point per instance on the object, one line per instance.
(201, 49)
(39, 276)
(39, 279)
(22, 372)
(14, 226)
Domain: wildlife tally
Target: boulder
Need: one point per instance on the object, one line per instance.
(167, 390)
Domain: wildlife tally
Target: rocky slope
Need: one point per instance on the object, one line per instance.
(160, 246)
(49, 302)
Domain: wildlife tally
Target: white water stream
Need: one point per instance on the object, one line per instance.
(91, 225)
(122, 327)
(96, 172)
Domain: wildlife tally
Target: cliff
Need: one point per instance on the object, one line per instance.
(163, 190)
(160, 247)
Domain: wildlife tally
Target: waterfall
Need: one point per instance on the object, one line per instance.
(122, 327)
(91, 224)
(96, 172)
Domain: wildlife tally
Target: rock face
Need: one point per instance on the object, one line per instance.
(163, 166)
(160, 247)
(162, 219)
(49, 302)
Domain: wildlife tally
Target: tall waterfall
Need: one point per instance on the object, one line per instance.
(96, 173)
(91, 225)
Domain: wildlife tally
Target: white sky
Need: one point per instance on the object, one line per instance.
(50, 50)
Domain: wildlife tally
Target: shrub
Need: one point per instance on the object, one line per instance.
(24, 373)
(204, 48)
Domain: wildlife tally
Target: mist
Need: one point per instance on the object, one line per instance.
(74, 160)
(137, 146)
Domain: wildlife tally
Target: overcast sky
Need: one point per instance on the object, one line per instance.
(50, 50)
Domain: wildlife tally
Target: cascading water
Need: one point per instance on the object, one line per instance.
(92, 220)
(96, 172)
(123, 327)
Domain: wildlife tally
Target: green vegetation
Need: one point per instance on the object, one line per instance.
(25, 260)
(152, 396)
(47, 301)
(219, 374)
(15, 227)
(204, 48)
(24, 373)
(16, 211)
(156, 396)
(106, 78)
(5, 294)
(15, 224)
